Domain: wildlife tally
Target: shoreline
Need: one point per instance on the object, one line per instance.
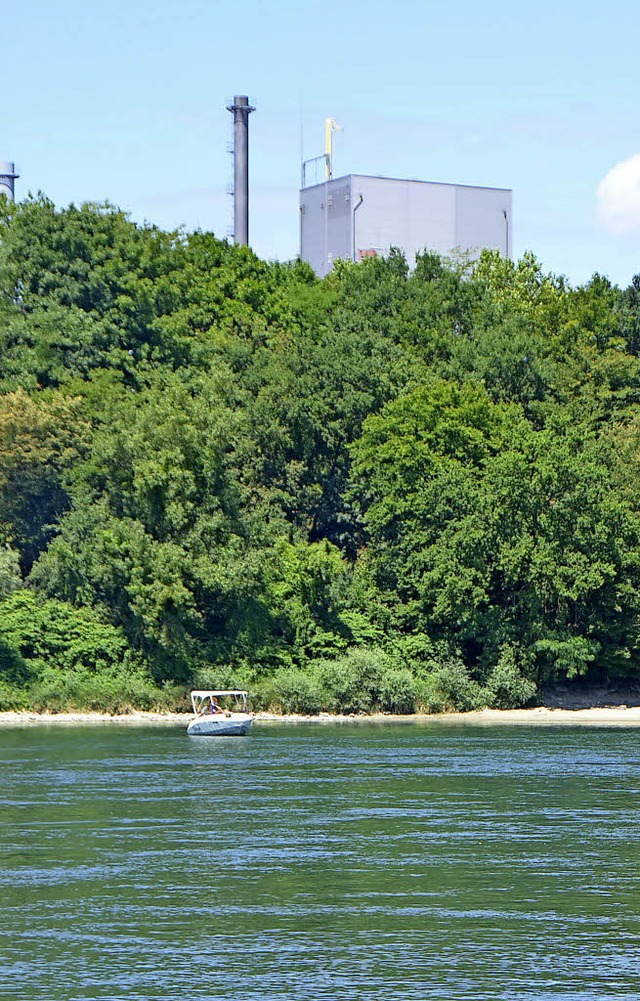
(620, 715)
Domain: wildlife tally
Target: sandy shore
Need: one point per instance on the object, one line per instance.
(542, 716)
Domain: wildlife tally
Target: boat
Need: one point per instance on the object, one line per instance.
(212, 719)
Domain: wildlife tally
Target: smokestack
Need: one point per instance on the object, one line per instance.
(7, 177)
(241, 111)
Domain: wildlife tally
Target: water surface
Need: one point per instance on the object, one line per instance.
(320, 861)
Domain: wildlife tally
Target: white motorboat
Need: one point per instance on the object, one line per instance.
(231, 718)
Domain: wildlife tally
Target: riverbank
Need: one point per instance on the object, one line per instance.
(621, 715)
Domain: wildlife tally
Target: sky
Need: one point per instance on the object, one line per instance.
(125, 101)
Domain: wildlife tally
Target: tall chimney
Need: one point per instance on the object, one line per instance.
(241, 110)
(7, 177)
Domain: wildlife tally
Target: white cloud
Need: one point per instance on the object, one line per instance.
(619, 197)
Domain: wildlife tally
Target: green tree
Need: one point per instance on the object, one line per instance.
(486, 531)
(40, 439)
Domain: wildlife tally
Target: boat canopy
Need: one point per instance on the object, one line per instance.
(216, 692)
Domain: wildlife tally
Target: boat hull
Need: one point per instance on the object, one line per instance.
(234, 725)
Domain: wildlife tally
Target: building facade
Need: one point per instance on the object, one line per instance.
(359, 216)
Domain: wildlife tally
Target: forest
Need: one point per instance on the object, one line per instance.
(407, 486)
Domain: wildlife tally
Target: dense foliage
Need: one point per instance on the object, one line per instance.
(387, 489)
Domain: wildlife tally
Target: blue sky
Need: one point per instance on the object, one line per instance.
(125, 101)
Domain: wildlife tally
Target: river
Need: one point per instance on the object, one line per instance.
(320, 861)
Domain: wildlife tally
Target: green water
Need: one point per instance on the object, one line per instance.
(320, 861)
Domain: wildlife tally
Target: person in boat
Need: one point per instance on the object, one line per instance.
(215, 706)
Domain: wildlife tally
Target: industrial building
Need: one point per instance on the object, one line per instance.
(358, 216)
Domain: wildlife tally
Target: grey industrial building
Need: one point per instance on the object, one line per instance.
(358, 216)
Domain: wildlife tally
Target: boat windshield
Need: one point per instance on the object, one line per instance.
(218, 701)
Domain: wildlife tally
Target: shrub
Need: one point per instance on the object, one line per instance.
(456, 689)
(429, 698)
(51, 632)
(340, 684)
(57, 692)
(351, 684)
(507, 686)
(12, 697)
(57, 657)
(398, 690)
(14, 669)
(291, 691)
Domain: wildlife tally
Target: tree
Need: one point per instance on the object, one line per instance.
(40, 439)
(485, 531)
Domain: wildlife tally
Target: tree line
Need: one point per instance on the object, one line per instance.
(392, 488)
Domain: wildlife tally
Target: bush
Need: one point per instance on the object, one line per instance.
(456, 690)
(398, 691)
(340, 684)
(290, 691)
(57, 692)
(352, 683)
(12, 697)
(49, 632)
(429, 698)
(56, 657)
(14, 669)
(507, 686)
(358, 682)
